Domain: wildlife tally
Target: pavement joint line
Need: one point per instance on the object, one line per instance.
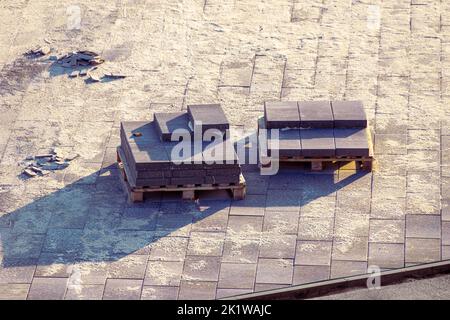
(328, 287)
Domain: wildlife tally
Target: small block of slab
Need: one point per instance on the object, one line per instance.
(351, 142)
(210, 116)
(318, 142)
(315, 114)
(349, 114)
(281, 114)
(168, 123)
(287, 143)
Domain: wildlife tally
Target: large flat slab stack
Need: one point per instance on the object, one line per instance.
(165, 152)
(315, 129)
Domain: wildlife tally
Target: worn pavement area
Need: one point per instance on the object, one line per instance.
(72, 235)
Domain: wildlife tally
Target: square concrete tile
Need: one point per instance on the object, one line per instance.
(390, 144)
(237, 276)
(281, 222)
(315, 114)
(322, 207)
(85, 292)
(424, 181)
(91, 273)
(206, 243)
(17, 272)
(241, 250)
(63, 240)
(389, 186)
(284, 143)
(349, 203)
(256, 183)
(341, 269)
(277, 246)
(252, 205)
(163, 273)
(318, 142)
(423, 203)
(281, 114)
(283, 200)
(387, 255)
(197, 290)
(422, 250)
(18, 291)
(244, 225)
(423, 226)
(349, 114)
(308, 274)
(351, 225)
(213, 216)
(351, 142)
(129, 267)
(211, 116)
(47, 289)
(159, 293)
(54, 265)
(310, 228)
(313, 253)
(388, 208)
(168, 249)
(122, 289)
(354, 249)
(423, 139)
(176, 224)
(199, 268)
(387, 231)
(278, 271)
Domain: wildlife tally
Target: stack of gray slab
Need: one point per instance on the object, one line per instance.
(167, 151)
(316, 129)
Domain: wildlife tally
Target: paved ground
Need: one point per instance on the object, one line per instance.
(424, 289)
(72, 235)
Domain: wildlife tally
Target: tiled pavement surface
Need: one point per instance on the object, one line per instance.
(72, 235)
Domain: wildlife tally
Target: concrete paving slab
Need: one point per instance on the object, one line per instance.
(318, 143)
(237, 275)
(315, 114)
(349, 114)
(281, 114)
(211, 116)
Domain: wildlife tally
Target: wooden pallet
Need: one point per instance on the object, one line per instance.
(317, 163)
(136, 194)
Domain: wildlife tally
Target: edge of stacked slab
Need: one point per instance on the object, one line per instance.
(316, 129)
(153, 160)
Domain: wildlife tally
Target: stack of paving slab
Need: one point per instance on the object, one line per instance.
(317, 129)
(154, 160)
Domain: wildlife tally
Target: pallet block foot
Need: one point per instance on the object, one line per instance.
(239, 193)
(136, 196)
(316, 165)
(188, 195)
(367, 165)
